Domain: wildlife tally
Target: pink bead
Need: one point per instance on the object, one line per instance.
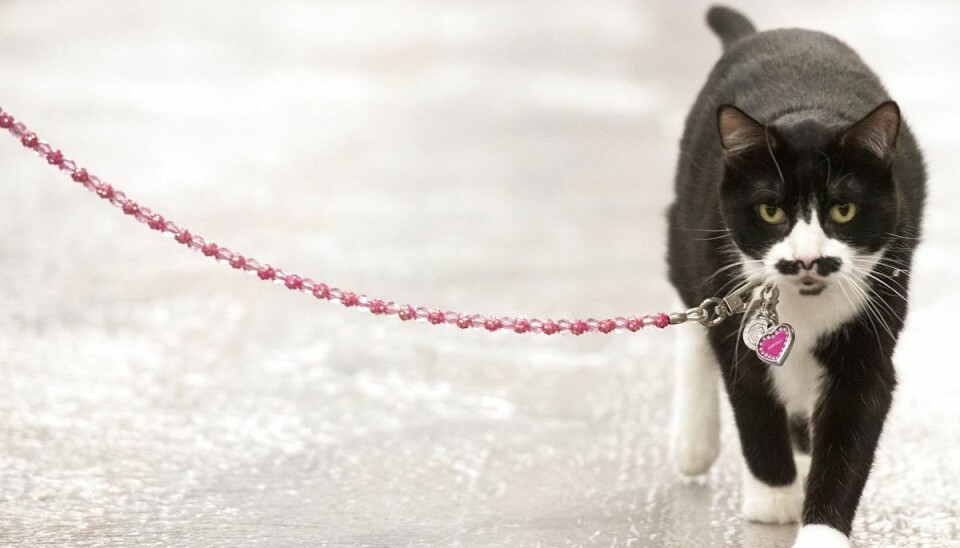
(377, 306)
(521, 325)
(238, 262)
(435, 317)
(549, 327)
(6, 121)
(266, 272)
(184, 236)
(55, 158)
(30, 140)
(606, 326)
(80, 175)
(407, 312)
(321, 291)
(464, 321)
(578, 327)
(105, 191)
(209, 249)
(157, 222)
(661, 320)
(293, 281)
(348, 299)
(634, 323)
(492, 324)
(129, 207)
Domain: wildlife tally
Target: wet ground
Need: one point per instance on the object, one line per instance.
(496, 157)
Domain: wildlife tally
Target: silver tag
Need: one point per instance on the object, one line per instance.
(753, 330)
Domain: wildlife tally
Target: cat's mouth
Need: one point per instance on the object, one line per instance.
(811, 286)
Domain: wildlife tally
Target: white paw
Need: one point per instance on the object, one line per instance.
(694, 450)
(765, 504)
(820, 536)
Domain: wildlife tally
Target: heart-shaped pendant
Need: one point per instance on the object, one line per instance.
(774, 346)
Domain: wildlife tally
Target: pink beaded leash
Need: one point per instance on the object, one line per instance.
(710, 313)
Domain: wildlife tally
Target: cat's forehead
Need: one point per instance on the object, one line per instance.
(805, 157)
(806, 137)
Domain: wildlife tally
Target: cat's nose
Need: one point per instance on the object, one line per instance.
(807, 263)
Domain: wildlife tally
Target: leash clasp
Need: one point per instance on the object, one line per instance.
(738, 300)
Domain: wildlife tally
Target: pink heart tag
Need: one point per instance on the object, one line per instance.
(774, 346)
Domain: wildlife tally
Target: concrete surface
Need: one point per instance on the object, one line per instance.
(490, 156)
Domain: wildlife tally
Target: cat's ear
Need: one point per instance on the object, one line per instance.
(739, 132)
(876, 132)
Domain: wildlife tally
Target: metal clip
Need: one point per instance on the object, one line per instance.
(714, 310)
(737, 301)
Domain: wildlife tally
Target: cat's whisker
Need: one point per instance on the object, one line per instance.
(879, 301)
(873, 265)
(868, 314)
(880, 260)
(869, 274)
(872, 305)
(889, 261)
(726, 268)
(898, 291)
(885, 286)
(722, 237)
(766, 136)
(824, 154)
(901, 237)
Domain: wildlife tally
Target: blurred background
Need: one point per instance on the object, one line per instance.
(504, 157)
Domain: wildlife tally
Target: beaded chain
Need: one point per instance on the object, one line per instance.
(320, 290)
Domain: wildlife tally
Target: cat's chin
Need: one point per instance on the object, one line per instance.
(812, 290)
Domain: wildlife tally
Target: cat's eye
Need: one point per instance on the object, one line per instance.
(843, 213)
(772, 214)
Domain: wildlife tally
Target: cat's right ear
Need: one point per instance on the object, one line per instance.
(740, 133)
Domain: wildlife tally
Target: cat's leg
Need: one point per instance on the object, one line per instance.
(847, 424)
(695, 436)
(772, 492)
(800, 434)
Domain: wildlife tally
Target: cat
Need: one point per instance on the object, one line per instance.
(795, 169)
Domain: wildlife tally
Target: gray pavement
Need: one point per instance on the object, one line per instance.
(488, 156)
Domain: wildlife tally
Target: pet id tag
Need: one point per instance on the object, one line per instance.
(774, 346)
(754, 330)
(764, 334)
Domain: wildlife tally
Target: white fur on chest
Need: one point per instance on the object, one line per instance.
(799, 382)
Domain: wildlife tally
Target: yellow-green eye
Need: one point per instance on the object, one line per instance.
(843, 213)
(772, 214)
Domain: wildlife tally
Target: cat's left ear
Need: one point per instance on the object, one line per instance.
(876, 132)
(740, 133)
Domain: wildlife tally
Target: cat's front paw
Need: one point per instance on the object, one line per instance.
(765, 504)
(694, 453)
(820, 536)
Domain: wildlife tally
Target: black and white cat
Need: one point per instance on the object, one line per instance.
(795, 168)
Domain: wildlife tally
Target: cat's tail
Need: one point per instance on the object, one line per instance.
(730, 25)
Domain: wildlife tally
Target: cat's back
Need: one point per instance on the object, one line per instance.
(778, 71)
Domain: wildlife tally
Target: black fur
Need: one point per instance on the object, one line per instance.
(729, 25)
(806, 92)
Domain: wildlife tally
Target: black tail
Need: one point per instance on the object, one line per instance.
(730, 25)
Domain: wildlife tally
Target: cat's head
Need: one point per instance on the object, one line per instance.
(808, 205)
